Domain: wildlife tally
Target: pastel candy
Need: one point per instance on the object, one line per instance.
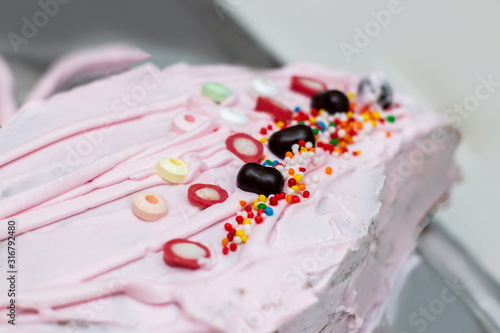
(263, 86)
(186, 122)
(149, 206)
(215, 91)
(172, 169)
(235, 118)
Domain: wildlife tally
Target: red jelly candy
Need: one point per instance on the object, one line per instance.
(307, 86)
(184, 253)
(206, 195)
(275, 108)
(245, 147)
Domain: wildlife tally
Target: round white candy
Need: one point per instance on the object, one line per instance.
(234, 117)
(262, 86)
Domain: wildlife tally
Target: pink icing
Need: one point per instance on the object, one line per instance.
(326, 263)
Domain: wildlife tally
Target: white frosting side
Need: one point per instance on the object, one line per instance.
(72, 164)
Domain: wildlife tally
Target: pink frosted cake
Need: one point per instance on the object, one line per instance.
(212, 198)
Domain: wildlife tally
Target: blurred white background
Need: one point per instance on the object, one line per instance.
(432, 50)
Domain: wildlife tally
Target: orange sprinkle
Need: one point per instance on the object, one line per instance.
(338, 150)
(342, 144)
(288, 198)
(225, 241)
(343, 124)
(352, 105)
(303, 150)
(289, 154)
(263, 157)
(388, 134)
(328, 170)
(243, 203)
(359, 126)
(312, 149)
(302, 186)
(291, 172)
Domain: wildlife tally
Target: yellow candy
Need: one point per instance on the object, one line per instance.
(376, 115)
(244, 239)
(295, 188)
(350, 95)
(240, 233)
(263, 140)
(172, 169)
(247, 221)
(298, 178)
(262, 198)
(255, 203)
(349, 114)
(280, 124)
(366, 116)
(374, 123)
(312, 120)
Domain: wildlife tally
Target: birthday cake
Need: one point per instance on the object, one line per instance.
(213, 198)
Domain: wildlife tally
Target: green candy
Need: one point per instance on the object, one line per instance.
(215, 91)
(261, 206)
(391, 119)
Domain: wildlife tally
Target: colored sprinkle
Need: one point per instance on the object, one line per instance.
(306, 194)
(388, 134)
(243, 203)
(261, 206)
(269, 211)
(288, 198)
(391, 119)
(328, 170)
(263, 140)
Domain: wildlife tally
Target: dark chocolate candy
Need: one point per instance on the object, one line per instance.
(259, 179)
(332, 101)
(282, 141)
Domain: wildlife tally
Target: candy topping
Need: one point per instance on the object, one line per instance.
(262, 86)
(215, 91)
(184, 253)
(206, 195)
(332, 101)
(307, 86)
(149, 206)
(375, 88)
(259, 179)
(275, 108)
(282, 141)
(172, 169)
(245, 147)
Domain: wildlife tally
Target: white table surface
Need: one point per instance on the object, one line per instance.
(432, 50)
